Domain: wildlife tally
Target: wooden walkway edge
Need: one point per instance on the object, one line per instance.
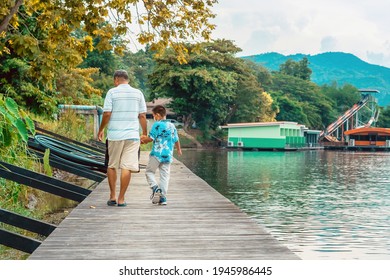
(197, 224)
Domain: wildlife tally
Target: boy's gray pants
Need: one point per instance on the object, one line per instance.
(164, 169)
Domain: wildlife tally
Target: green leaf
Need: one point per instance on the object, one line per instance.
(30, 124)
(22, 130)
(9, 117)
(2, 110)
(13, 154)
(5, 137)
(12, 107)
(46, 164)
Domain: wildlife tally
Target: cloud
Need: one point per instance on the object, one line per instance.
(307, 26)
(378, 58)
(260, 40)
(375, 57)
(328, 44)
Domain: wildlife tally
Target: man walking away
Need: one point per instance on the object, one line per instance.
(124, 112)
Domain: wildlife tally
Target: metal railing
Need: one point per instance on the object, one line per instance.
(47, 184)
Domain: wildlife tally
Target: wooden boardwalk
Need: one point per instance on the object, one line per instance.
(198, 223)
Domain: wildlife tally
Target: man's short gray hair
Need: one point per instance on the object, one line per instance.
(121, 74)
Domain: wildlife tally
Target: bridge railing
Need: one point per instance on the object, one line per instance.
(47, 184)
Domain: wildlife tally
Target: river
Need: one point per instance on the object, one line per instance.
(323, 205)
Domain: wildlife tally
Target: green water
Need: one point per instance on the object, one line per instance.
(320, 204)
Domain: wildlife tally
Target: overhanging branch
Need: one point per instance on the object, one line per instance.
(13, 11)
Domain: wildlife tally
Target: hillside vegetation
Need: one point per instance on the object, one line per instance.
(343, 68)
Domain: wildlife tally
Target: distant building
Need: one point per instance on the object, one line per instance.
(271, 135)
(159, 101)
(370, 137)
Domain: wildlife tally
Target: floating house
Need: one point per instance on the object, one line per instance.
(271, 135)
(368, 137)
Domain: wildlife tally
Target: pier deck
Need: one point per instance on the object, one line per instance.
(198, 223)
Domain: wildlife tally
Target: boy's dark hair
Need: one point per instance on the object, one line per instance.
(159, 109)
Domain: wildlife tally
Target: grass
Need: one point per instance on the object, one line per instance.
(31, 202)
(49, 208)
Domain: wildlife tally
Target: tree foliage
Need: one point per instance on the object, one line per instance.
(201, 90)
(251, 103)
(301, 101)
(289, 109)
(43, 32)
(17, 83)
(384, 117)
(105, 61)
(343, 97)
(42, 43)
(299, 69)
(74, 87)
(13, 119)
(139, 65)
(214, 87)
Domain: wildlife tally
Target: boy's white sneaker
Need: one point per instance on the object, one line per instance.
(163, 200)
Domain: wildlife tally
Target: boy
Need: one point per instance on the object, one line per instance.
(164, 136)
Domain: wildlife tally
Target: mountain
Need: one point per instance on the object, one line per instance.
(336, 66)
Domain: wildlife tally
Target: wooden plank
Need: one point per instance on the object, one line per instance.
(197, 223)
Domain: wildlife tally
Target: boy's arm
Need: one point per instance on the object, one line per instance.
(178, 148)
(146, 138)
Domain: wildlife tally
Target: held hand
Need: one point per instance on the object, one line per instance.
(179, 152)
(101, 135)
(143, 139)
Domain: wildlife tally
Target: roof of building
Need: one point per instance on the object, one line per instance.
(368, 130)
(252, 124)
(159, 101)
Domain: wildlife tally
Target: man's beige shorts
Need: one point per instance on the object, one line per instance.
(123, 154)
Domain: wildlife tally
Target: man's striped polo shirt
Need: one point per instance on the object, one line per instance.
(125, 103)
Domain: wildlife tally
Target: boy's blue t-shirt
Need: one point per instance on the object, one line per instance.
(164, 135)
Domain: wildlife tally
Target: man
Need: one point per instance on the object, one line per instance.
(124, 110)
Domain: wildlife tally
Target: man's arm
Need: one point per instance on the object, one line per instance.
(105, 120)
(143, 123)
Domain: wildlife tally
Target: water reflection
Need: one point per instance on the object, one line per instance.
(321, 204)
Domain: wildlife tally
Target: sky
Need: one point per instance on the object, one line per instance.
(360, 27)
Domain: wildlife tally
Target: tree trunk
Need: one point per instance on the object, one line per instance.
(187, 121)
(193, 139)
(13, 11)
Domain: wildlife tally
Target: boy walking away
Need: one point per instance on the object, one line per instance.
(164, 136)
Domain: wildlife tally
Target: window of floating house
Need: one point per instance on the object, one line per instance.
(294, 132)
